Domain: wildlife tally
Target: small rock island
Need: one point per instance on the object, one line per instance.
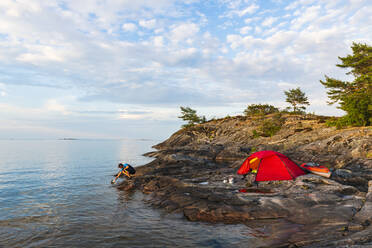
(194, 173)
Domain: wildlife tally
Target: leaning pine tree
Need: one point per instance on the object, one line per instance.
(189, 115)
(355, 97)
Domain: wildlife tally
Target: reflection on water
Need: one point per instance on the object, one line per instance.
(58, 193)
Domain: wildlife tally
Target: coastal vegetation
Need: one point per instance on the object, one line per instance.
(355, 97)
(260, 109)
(270, 127)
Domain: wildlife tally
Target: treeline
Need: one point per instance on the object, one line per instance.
(355, 97)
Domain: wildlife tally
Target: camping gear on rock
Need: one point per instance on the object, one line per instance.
(231, 180)
(317, 169)
(130, 169)
(270, 166)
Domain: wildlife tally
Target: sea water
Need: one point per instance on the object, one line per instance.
(57, 193)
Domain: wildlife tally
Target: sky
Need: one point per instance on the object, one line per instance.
(122, 68)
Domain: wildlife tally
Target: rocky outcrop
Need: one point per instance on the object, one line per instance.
(302, 138)
(192, 170)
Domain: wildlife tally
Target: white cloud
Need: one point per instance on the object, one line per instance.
(245, 30)
(158, 41)
(284, 85)
(308, 16)
(52, 105)
(183, 31)
(158, 30)
(269, 21)
(203, 18)
(296, 4)
(156, 113)
(149, 24)
(3, 91)
(258, 30)
(240, 9)
(182, 56)
(42, 54)
(307, 52)
(248, 10)
(234, 40)
(129, 116)
(129, 27)
(248, 20)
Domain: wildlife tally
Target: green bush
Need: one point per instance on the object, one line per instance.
(255, 134)
(260, 109)
(270, 127)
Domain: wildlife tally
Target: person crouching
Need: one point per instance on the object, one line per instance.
(125, 169)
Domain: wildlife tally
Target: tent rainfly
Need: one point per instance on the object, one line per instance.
(270, 166)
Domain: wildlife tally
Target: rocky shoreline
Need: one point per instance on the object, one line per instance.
(191, 168)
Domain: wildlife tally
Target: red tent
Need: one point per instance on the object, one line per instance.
(270, 166)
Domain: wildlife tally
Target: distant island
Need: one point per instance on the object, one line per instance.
(68, 139)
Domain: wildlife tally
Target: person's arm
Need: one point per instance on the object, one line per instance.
(118, 175)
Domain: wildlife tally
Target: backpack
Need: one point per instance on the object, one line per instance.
(130, 169)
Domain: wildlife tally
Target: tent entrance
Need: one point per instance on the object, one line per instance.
(253, 164)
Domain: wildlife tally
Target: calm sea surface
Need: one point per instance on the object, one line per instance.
(57, 193)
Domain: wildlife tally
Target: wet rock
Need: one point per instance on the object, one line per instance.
(127, 185)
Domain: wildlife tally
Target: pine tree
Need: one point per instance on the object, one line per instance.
(189, 115)
(355, 97)
(296, 98)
